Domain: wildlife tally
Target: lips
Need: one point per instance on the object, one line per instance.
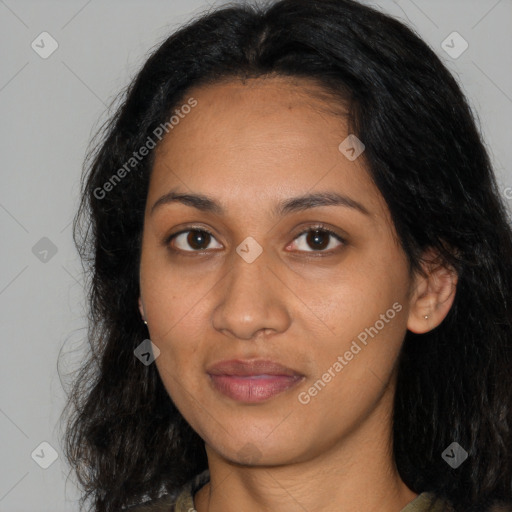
(252, 381)
(241, 368)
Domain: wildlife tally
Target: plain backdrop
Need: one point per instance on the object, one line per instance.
(49, 109)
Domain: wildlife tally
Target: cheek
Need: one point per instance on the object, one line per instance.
(363, 342)
(175, 300)
(344, 302)
(356, 324)
(353, 369)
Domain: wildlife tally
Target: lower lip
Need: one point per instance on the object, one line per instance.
(255, 388)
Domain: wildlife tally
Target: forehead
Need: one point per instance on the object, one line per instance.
(267, 110)
(260, 138)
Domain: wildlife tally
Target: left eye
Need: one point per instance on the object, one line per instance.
(320, 239)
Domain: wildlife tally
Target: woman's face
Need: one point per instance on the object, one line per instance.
(332, 309)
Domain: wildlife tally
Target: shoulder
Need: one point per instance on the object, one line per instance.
(182, 501)
(165, 503)
(427, 502)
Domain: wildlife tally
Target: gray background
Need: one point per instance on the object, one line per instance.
(49, 110)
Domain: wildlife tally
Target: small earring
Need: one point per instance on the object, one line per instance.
(426, 317)
(145, 321)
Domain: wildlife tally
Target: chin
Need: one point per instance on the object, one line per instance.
(259, 449)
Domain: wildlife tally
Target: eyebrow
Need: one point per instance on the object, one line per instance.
(294, 204)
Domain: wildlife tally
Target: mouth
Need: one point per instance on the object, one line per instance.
(252, 381)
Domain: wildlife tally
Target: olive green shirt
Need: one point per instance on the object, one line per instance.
(184, 502)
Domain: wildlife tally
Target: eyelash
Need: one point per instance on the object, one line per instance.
(319, 227)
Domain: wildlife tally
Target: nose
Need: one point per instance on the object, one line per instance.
(251, 300)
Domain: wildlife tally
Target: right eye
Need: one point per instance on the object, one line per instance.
(197, 239)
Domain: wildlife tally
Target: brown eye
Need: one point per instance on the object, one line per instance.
(318, 239)
(195, 239)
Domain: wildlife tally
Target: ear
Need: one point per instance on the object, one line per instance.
(141, 309)
(433, 294)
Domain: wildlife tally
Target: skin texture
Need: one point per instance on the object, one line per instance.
(249, 146)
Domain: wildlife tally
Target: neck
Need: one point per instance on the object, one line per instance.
(358, 473)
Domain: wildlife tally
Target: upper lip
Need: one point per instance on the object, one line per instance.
(246, 368)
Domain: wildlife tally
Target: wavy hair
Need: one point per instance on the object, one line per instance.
(124, 437)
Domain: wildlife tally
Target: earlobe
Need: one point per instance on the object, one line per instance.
(141, 309)
(433, 296)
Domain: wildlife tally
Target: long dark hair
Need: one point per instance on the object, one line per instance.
(125, 438)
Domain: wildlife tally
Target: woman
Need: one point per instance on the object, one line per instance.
(294, 205)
